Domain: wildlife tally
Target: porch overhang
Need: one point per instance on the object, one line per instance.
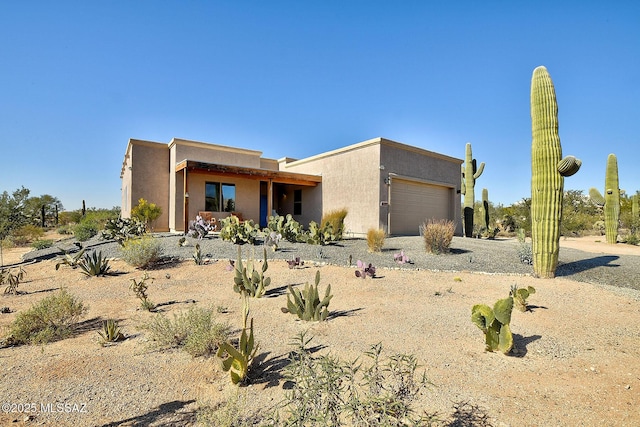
(258, 174)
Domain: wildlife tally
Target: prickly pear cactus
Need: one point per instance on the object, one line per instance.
(548, 170)
(470, 172)
(611, 199)
(495, 324)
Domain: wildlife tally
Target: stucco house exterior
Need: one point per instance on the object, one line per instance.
(382, 184)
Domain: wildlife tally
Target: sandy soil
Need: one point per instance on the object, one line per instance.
(576, 359)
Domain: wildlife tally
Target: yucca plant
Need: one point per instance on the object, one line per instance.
(110, 332)
(72, 260)
(94, 265)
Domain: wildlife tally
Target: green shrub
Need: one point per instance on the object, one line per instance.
(375, 239)
(437, 235)
(146, 212)
(65, 230)
(42, 244)
(330, 392)
(85, 230)
(142, 252)
(336, 219)
(51, 319)
(195, 331)
(26, 234)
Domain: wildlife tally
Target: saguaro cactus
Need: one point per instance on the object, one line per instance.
(470, 172)
(611, 199)
(548, 170)
(485, 207)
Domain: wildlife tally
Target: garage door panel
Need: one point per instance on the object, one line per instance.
(414, 202)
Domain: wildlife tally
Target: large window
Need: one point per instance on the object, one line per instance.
(220, 197)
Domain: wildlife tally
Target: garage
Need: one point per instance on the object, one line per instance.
(412, 202)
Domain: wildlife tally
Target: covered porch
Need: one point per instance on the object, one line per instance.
(257, 192)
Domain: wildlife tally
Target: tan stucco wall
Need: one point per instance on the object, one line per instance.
(353, 177)
(350, 179)
(145, 174)
(213, 153)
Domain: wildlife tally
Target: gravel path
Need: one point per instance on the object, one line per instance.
(499, 256)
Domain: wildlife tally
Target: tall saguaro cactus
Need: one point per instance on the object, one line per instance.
(548, 170)
(470, 172)
(485, 207)
(611, 199)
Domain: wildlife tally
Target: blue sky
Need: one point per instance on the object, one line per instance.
(296, 78)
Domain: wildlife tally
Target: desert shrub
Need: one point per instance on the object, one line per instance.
(65, 230)
(51, 319)
(525, 253)
(375, 239)
(146, 212)
(437, 234)
(26, 234)
(336, 219)
(85, 230)
(328, 391)
(599, 228)
(632, 239)
(195, 331)
(7, 243)
(42, 244)
(142, 252)
(233, 411)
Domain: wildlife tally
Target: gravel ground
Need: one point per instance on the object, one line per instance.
(499, 256)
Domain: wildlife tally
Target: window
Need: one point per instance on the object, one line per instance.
(220, 197)
(297, 202)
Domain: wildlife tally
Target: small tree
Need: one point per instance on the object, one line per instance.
(146, 212)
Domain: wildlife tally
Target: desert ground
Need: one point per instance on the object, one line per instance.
(576, 359)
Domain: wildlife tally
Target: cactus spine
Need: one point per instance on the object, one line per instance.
(611, 199)
(485, 206)
(470, 172)
(548, 170)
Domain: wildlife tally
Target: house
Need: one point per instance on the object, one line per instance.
(381, 183)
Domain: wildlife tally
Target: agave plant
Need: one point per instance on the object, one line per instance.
(94, 265)
(72, 260)
(110, 332)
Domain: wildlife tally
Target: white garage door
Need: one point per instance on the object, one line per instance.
(414, 202)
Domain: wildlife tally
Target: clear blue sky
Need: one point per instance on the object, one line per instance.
(296, 78)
